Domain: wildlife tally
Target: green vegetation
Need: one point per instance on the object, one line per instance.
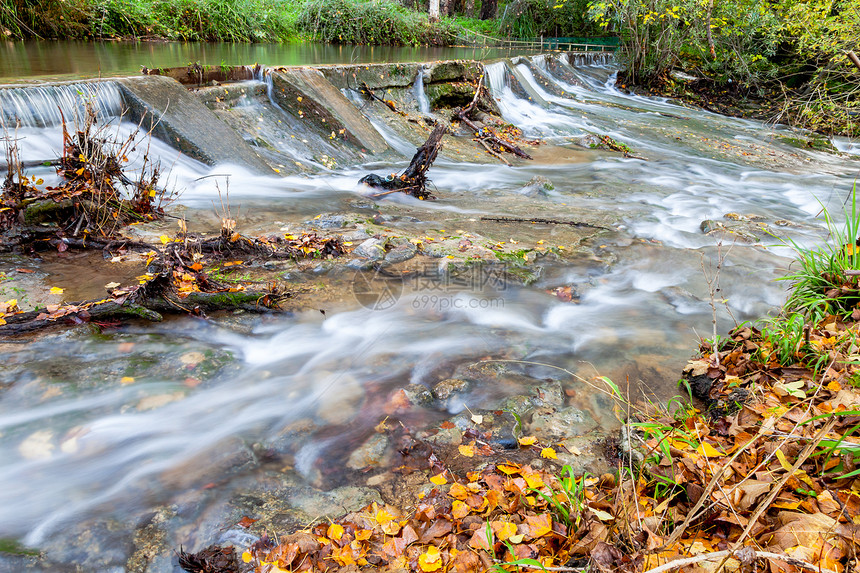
(797, 50)
(534, 18)
(374, 22)
(337, 21)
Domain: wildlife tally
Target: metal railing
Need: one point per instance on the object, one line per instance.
(609, 44)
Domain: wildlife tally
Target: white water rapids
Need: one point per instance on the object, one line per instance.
(77, 443)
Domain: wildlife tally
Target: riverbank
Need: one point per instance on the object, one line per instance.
(339, 22)
(771, 105)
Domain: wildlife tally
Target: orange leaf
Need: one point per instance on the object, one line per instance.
(467, 451)
(539, 525)
(335, 531)
(503, 529)
(459, 509)
(458, 491)
(508, 469)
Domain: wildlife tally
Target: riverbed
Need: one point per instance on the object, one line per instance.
(125, 441)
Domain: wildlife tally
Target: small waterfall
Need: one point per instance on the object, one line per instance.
(418, 90)
(540, 61)
(46, 106)
(496, 74)
(588, 58)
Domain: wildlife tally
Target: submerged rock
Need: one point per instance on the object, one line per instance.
(539, 186)
(373, 249)
(369, 454)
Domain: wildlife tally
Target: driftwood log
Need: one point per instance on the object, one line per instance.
(485, 135)
(413, 180)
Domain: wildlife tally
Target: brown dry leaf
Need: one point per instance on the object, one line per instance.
(480, 540)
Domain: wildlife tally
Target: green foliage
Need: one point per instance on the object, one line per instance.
(820, 286)
(658, 34)
(191, 20)
(370, 22)
(556, 18)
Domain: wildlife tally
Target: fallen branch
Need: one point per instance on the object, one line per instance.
(413, 180)
(745, 554)
(486, 134)
(544, 221)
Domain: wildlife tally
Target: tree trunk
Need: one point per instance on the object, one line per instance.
(488, 9)
(854, 59)
(470, 8)
(434, 10)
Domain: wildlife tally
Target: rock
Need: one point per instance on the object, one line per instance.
(444, 389)
(418, 395)
(549, 394)
(373, 249)
(400, 253)
(330, 221)
(538, 186)
(729, 232)
(445, 437)
(547, 423)
(369, 454)
(683, 77)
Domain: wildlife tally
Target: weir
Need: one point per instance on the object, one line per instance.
(288, 119)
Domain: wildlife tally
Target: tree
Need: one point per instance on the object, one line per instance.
(489, 9)
(434, 10)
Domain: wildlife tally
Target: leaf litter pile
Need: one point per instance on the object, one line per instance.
(764, 476)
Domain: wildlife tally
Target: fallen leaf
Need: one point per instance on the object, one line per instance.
(57, 290)
(548, 453)
(527, 441)
(467, 451)
(112, 285)
(439, 479)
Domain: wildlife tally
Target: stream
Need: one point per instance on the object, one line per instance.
(101, 431)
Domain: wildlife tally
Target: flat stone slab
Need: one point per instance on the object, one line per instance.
(186, 124)
(307, 94)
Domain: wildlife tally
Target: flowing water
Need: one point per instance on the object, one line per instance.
(81, 443)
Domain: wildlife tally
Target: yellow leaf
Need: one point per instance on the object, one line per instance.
(835, 386)
(527, 441)
(467, 451)
(335, 531)
(247, 557)
(2, 322)
(126, 380)
(508, 469)
(709, 451)
(548, 453)
(164, 239)
(439, 479)
(383, 517)
(299, 98)
(459, 509)
(431, 560)
(56, 290)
